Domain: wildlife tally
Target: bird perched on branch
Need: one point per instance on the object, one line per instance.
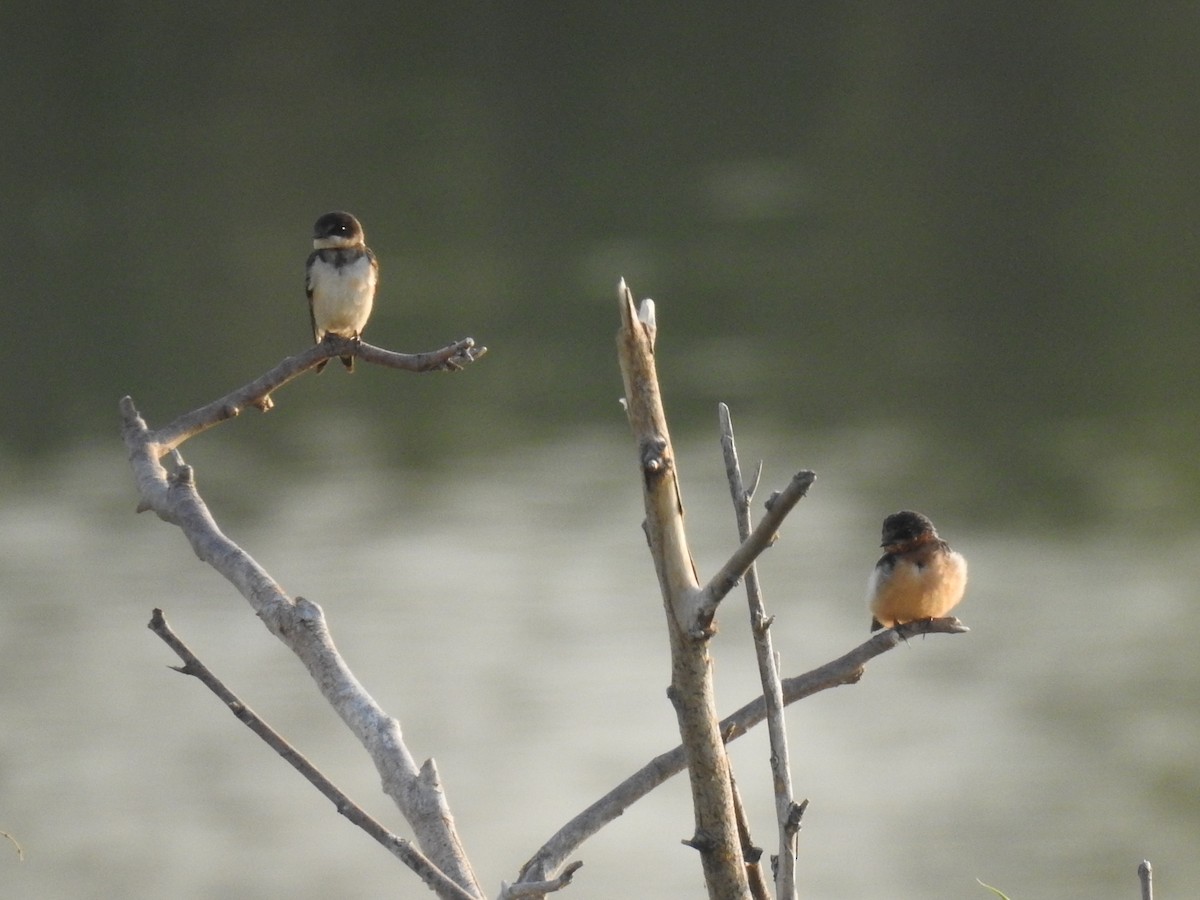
(340, 279)
(918, 576)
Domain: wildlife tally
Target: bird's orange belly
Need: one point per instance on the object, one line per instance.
(914, 592)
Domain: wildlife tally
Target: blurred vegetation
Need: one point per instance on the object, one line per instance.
(974, 221)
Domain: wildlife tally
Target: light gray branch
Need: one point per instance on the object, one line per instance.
(762, 537)
(257, 393)
(397, 846)
(786, 816)
(299, 623)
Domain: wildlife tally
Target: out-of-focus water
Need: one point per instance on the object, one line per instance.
(505, 610)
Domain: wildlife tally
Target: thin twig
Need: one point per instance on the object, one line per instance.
(398, 846)
(257, 393)
(12, 840)
(846, 669)
(762, 537)
(768, 672)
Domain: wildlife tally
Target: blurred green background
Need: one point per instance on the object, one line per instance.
(976, 221)
(947, 255)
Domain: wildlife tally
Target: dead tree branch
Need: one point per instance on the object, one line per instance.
(691, 690)
(758, 540)
(397, 846)
(768, 670)
(299, 623)
(257, 393)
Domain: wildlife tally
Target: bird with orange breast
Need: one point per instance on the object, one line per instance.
(918, 577)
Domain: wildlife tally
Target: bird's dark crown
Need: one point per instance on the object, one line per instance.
(906, 525)
(337, 224)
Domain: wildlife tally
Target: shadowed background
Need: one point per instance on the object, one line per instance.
(948, 259)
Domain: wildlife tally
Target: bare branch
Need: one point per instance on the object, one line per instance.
(768, 672)
(1146, 877)
(847, 669)
(398, 846)
(536, 889)
(297, 622)
(762, 537)
(257, 393)
(691, 690)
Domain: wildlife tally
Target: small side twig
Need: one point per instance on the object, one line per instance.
(533, 890)
(12, 840)
(398, 846)
(1146, 877)
(768, 671)
(752, 546)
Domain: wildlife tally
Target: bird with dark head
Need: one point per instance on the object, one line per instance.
(340, 280)
(918, 577)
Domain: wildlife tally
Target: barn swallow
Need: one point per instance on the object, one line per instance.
(918, 576)
(340, 280)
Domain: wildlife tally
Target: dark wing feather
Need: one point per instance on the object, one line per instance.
(312, 319)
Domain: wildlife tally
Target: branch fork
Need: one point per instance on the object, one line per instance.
(299, 623)
(721, 836)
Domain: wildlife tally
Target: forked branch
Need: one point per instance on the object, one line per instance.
(299, 623)
(847, 669)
